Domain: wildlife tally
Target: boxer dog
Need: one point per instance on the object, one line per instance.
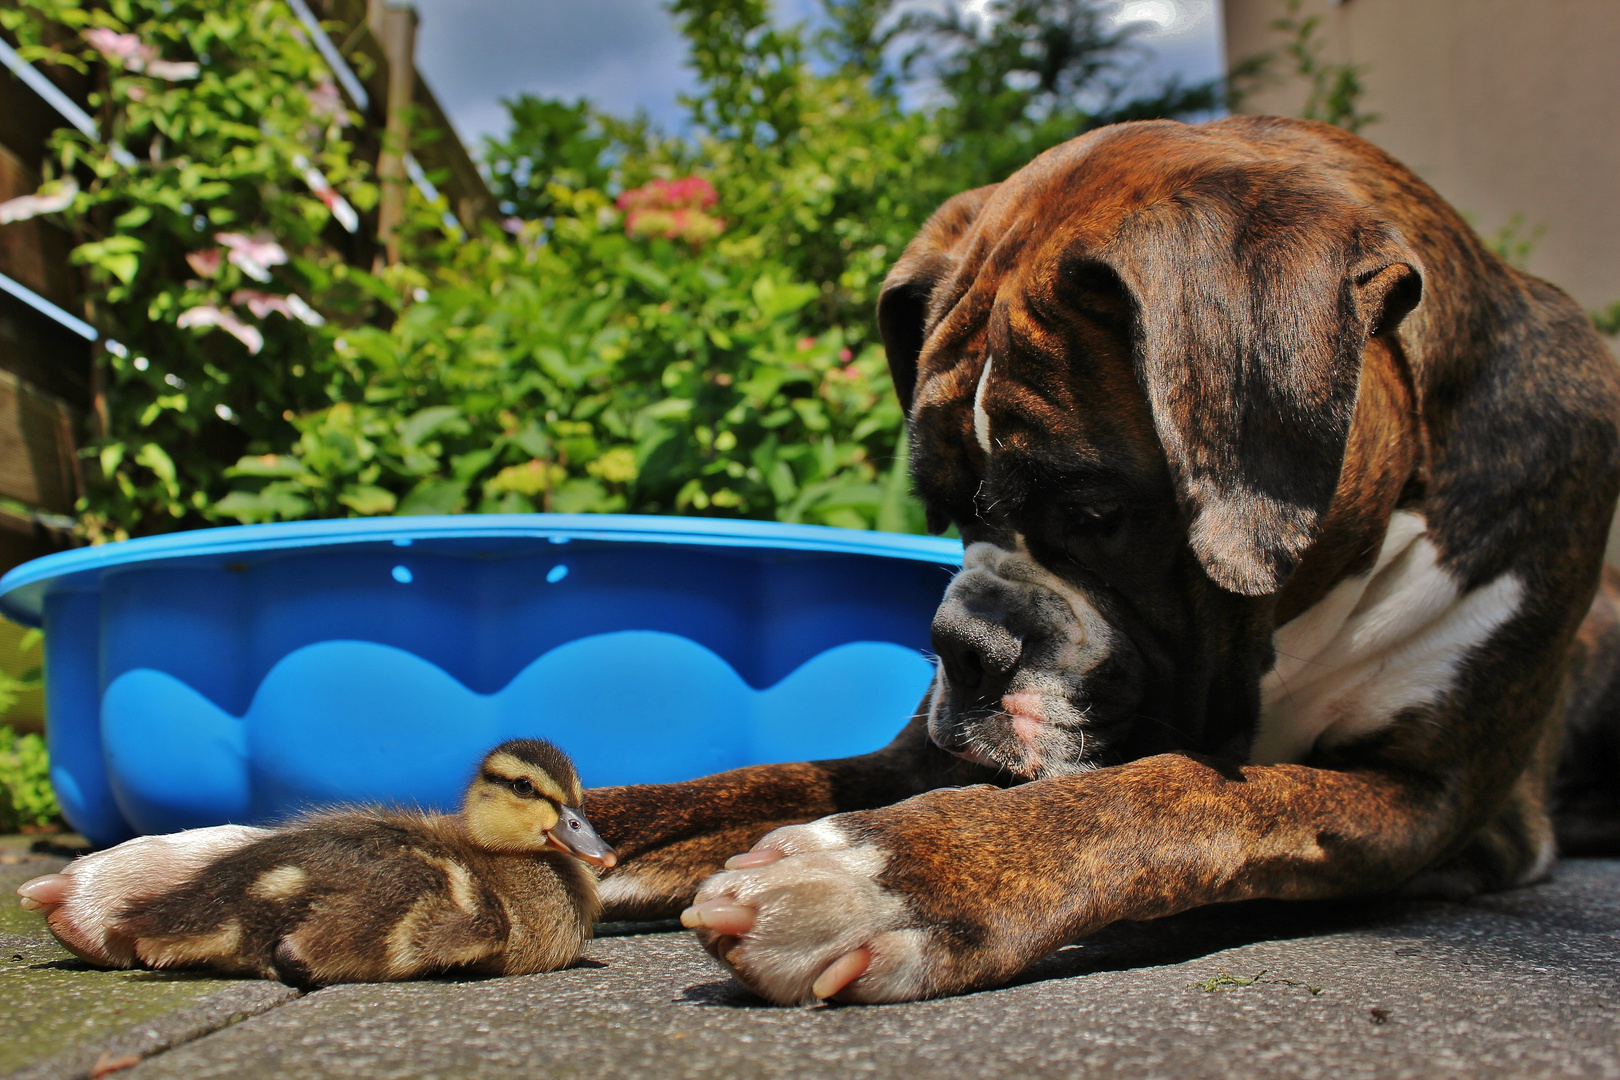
(1283, 500)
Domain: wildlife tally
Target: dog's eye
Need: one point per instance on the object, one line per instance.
(1103, 516)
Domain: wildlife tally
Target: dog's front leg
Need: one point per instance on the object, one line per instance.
(670, 837)
(959, 889)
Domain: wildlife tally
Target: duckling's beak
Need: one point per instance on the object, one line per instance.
(574, 835)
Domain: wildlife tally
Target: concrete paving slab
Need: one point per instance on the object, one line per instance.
(1522, 984)
(61, 1018)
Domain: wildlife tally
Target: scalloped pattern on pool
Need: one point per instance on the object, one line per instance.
(634, 706)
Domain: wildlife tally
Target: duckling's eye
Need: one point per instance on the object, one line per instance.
(523, 788)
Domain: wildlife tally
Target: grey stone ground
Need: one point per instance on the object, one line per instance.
(1522, 984)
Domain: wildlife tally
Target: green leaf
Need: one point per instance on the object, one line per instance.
(434, 495)
(133, 218)
(892, 515)
(270, 465)
(775, 300)
(122, 267)
(430, 421)
(154, 457)
(367, 500)
(466, 466)
(579, 497)
(267, 505)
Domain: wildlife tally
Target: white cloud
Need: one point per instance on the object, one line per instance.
(1160, 13)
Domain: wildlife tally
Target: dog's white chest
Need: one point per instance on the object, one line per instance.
(1391, 638)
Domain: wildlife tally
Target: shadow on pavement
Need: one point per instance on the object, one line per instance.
(1126, 946)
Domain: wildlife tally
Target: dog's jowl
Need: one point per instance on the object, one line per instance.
(1283, 502)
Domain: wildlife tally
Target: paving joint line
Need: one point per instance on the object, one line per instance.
(150, 1038)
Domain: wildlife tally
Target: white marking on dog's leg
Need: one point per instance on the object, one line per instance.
(817, 906)
(981, 419)
(107, 881)
(1540, 867)
(820, 835)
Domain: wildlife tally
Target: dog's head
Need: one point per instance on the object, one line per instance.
(1131, 370)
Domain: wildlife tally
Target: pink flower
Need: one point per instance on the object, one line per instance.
(206, 262)
(690, 192)
(330, 196)
(291, 306)
(253, 255)
(119, 48)
(208, 315)
(132, 54)
(673, 209)
(806, 344)
(325, 101)
(845, 356)
(49, 199)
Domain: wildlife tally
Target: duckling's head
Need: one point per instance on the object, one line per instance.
(526, 797)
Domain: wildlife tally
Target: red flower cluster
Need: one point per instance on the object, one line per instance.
(673, 209)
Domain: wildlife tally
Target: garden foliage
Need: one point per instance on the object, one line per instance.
(26, 798)
(661, 324)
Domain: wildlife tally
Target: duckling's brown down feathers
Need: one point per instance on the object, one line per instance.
(367, 894)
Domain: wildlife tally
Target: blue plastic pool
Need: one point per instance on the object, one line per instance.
(242, 674)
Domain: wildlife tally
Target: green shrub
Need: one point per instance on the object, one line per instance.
(715, 359)
(26, 798)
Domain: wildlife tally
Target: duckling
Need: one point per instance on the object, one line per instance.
(363, 895)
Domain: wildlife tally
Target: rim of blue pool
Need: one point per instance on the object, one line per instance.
(23, 590)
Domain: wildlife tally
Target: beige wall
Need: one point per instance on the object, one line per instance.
(1505, 106)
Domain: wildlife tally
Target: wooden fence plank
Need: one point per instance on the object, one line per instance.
(37, 460)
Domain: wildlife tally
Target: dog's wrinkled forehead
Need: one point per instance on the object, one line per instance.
(1050, 250)
(1151, 293)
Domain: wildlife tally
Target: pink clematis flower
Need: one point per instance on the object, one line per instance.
(122, 49)
(206, 262)
(132, 54)
(291, 306)
(253, 255)
(49, 199)
(209, 315)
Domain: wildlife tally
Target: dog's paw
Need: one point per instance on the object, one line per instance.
(805, 916)
(82, 904)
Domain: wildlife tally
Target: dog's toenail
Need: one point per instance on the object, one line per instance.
(748, 860)
(841, 972)
(48, 889)
(719, 915)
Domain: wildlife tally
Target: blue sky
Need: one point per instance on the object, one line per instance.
(625, 54)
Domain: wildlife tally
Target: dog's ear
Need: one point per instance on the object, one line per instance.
(1250, 329)
(903, 305)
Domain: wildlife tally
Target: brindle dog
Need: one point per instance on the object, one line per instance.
(1283, 501)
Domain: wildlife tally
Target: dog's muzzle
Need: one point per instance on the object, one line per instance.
(1029, 676)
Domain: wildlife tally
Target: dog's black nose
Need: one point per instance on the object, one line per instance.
(979, 653)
